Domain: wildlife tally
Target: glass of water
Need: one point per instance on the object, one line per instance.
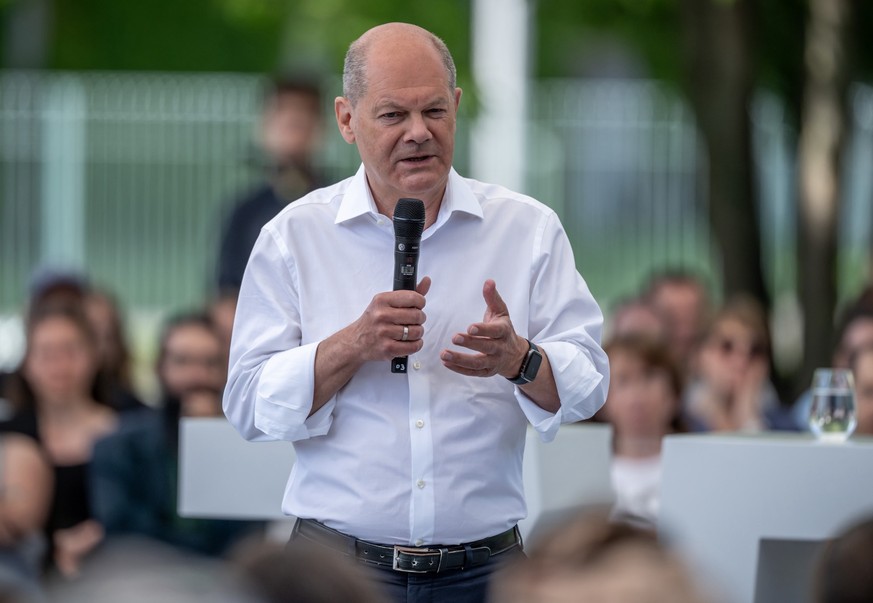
(832, 416)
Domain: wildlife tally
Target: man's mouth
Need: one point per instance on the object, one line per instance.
(417, 158)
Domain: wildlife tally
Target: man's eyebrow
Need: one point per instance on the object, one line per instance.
(391, 104)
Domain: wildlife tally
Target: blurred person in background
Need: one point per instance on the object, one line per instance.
(854, 331)
(46, 286)
(26, 483)
(591, 559)
(293, 573)
(135, 471)
(290, 134)
(103, 311)
(53, 286)
(731, 390)
(643, 405)
(61, 407)
(145, 571)
(843, 574)
(682, 301)
(221, 310)
(636, 316)
(861, 363)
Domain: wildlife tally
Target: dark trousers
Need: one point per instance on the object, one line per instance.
(469, 585)
(459, 586)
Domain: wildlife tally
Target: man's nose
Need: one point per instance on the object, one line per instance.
(418, 131)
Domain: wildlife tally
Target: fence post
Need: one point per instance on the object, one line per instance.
(63, 174)
(500, 66)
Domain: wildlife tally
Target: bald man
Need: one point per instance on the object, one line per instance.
(416, 474)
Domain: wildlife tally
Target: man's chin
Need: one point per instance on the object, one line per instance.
(423, 184)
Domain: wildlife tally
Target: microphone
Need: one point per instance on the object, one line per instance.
(408, 226)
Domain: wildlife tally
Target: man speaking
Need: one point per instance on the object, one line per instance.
(418, 473)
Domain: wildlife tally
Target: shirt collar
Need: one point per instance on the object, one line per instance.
(358, 200)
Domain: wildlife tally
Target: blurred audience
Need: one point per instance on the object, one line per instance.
(134, 570)
(643, 405)
(221, 310)
(843, 573)
(854, 331)
(636, 317)
(55, 286)
(731, 390)
(135, 471)
(682, 301)
(290, 135)
(60, 405)
(590, 559)
(861, 363)
(26, 484)
(300, 573)
(104, 313)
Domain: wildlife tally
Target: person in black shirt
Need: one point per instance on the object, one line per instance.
(290, 133)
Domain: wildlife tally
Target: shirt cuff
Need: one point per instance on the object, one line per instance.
(284, 397)
(576, 377)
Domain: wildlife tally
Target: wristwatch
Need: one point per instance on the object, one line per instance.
(529, 366)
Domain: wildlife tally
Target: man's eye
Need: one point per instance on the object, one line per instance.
(390, 115)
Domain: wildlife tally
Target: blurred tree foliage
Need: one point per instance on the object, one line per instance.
(232, 35)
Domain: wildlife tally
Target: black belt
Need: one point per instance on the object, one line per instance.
(418, 560)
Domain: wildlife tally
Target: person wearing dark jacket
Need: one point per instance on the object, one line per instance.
(134, 473)
(290, 132)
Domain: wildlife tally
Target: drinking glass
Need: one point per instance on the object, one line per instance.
(832, 416)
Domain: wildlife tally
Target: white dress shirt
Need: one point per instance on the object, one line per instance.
(432, 456)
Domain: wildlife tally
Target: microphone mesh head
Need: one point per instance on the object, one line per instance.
(409, 218)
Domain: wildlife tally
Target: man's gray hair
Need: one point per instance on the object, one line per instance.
(354, 68)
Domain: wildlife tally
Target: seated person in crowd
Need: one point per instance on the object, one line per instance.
(47, 287)
(135, 471)
(299, 572)
(681, 300)
(636, 317)
(731, 390)
(861, 363)
(642, 406)
(854, 331)
(25, 495)
(115, 359)
(52, 287)
(590, 559)
(60, 406)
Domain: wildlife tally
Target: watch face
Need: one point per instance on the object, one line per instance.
(534, 359)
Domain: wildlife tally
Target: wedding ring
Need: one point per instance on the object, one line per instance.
(405, 333)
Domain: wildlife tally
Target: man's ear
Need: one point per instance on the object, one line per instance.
(343, 109)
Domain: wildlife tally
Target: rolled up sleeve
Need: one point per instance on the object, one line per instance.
(566, 322)
(270, 381)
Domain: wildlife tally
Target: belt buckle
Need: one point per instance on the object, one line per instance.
(414, 552)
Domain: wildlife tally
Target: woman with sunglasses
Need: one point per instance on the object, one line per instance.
(732, 389)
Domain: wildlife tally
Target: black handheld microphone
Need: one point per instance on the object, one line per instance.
(408, 226)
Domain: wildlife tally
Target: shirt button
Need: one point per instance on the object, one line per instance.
(419, 542)
(416, 365)
(419, 423)
(420, 483)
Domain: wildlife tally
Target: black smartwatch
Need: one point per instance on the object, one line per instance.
(529, 366)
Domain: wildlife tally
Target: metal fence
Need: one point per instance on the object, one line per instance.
(129, 176)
